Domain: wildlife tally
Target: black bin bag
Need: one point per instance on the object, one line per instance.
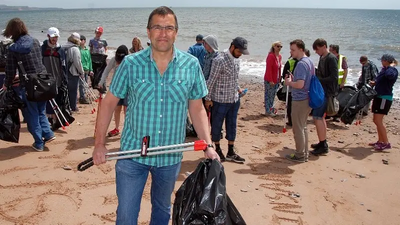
(9, 116)
(99, 64)
(344, 97)
(360, 99)
(202, 198)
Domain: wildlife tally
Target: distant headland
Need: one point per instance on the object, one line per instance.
(5, 8)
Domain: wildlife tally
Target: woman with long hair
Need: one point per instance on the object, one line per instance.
(382, 102)
(272, 77)
(136, 45)
(120, 54)
(26, 49)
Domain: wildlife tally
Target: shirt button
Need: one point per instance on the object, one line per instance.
(162, 84)
(162, 99)
(179, 81)
(160, 115)
(159, 131)
(143, 81)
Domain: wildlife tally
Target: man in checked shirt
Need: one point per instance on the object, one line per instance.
(223, 96)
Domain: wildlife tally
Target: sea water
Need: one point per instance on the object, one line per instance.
(357, 32)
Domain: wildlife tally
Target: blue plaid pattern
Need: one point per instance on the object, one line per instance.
(157, 105)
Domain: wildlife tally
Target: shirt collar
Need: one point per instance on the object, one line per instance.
(229, 54)
(174, 54)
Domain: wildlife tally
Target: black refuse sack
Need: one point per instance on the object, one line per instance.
(360, 99)
(202, 198)
(62, 101)
(9, 116)
(99, 64)
(344, 97)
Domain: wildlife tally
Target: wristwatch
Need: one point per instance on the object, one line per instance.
(209, 146)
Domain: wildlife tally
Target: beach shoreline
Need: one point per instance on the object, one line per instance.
(46, 188)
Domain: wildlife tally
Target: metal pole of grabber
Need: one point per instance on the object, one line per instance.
(145, 151)
(55, 112)
(97, 115)
(62, 114)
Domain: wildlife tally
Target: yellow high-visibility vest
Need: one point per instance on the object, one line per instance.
(341, 71)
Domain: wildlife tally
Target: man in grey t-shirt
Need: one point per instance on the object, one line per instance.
(299, 82)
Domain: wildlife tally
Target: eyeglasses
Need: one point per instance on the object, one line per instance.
(279, 46)
(158, 28)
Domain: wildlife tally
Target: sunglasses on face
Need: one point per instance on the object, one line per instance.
(278, 46)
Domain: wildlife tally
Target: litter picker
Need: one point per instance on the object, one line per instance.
(55, 107)
(145, 151)
(286, 115)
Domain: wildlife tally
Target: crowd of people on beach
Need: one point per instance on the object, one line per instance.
(158, 86)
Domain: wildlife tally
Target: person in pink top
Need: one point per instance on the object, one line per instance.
(272, 77)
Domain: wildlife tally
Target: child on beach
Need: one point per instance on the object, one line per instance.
(121, 52)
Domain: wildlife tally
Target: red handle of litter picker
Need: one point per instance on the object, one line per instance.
(200, 145)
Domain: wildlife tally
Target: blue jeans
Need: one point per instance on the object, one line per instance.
(221, 112)
(269, 96)
(131, 178)
(73, 90)
(81, 87)
(36, 120)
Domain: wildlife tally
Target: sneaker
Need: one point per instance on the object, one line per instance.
(220, 154)
(83, 101)
(294, 158)
(314, 146)
(374, 143)
(37, 148)
(235, 158)
(49, 140)
(382, 146)
(113, 133)
(321, 150)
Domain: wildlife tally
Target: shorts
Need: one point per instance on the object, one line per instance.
(381, 106)
(123, 102)
(319, 113)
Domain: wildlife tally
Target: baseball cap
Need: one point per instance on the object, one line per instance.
(53, 32)
(199, 37)
(241, 44)
(76, 36)
(387, 58)
(99, 29)
(83, 38)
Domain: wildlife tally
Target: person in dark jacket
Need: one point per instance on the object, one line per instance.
(383, 101)
(198, 50)
(328, 76)
(53, 60)
(27, 50)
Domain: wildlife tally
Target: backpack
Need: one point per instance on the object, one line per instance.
(316, 94)
(3, 53)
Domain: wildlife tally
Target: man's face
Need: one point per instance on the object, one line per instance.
(162, 32)
(53, 40)
(208, 47)
(235, 52)
(332, 50)
(98, 34)
(320, 50)
(295, 52)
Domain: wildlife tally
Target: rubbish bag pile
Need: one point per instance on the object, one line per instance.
(360, 99)
(202, 198)
(344, 97)
(10, 124)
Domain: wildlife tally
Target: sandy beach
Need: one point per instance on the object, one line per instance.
(351, 185)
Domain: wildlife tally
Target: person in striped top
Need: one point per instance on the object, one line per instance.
(162, 83)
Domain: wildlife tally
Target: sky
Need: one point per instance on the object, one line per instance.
(347, 4)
